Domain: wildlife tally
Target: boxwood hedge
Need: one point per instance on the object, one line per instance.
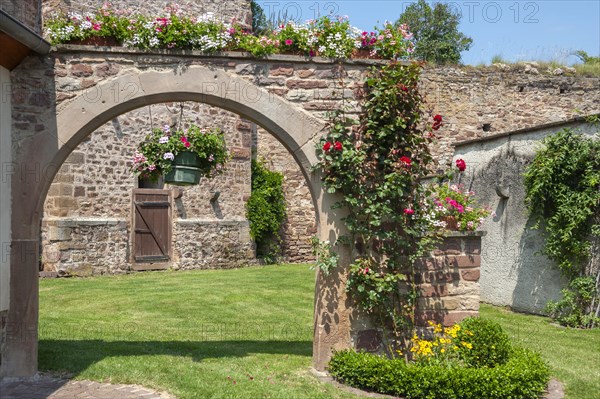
(524, 376)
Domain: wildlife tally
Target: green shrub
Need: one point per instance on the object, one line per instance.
(523, 376)
(573, 310)
(490, 344)
(265, 210)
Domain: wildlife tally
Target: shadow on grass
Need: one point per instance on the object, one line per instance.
(75, 356)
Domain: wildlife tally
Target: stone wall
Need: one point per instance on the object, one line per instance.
(483, 101)
(514, 272)
(95, 181)
(87, 225)
(224, 10)
(25, 11)
(475, 102)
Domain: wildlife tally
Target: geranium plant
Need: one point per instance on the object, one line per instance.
(453, 207)
(328, 36)
(156, 153)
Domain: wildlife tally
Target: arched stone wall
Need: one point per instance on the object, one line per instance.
(75, 119)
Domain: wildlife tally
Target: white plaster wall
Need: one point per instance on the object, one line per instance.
(513, 272)
(5, 160)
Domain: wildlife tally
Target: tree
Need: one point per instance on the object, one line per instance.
(259, 19)
(435, 30)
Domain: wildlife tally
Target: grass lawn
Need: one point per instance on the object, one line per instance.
(573, 355)
(242, 333)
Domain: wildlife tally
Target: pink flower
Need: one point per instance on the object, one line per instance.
(96, 26)
(152, 168)
(461, 165)
(366, 270)
(139, 158)
(187, 144)
(460, 208)
(409, 211)
(288, 42)
(184, 139)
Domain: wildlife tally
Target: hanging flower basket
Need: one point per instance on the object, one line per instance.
(183, 157)
(187, 169)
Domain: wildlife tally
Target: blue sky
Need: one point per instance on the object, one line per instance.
(516, 30)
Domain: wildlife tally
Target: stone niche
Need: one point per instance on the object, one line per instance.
(448, 280)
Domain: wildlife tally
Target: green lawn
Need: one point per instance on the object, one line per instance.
(573, 355)
(242, 333)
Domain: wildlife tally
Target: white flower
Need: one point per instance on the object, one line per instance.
(154, 42)
(163, 140)
(169, 155)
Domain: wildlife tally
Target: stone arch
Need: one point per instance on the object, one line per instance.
(76, 119)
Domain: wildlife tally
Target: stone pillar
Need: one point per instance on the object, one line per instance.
(448, 280)
(333, 311)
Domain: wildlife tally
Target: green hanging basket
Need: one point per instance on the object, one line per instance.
(187, 169)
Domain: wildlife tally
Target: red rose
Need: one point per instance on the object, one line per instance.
(461, 165)
(437, 118)
(327, 146)
(436, 125)
(409, 211)
(405, 160)
(403, 88)
(337, 146)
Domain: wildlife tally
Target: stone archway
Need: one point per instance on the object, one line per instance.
(75, 120)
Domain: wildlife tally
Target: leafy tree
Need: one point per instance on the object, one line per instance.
(587, 59)
(436, 32)
(259, 19)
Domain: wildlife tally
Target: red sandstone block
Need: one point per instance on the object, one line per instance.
(305, 73)
(306, 84)
(428, 290)
(321, 105)
(81, 70)
(282, 71)
(464, 261)
(471, 274)
(437, 277)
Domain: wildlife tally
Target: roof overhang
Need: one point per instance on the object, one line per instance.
(17, 41)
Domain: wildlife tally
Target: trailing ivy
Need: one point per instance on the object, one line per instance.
(266, 211)
(563, 196)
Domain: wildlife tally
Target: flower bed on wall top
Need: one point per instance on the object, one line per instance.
(328, 36)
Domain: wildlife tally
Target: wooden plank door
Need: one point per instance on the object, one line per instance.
(152, 225)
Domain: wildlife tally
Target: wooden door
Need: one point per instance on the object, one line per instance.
(152, 226)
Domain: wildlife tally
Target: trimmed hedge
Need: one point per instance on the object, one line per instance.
(491, 345)
(523, 376)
